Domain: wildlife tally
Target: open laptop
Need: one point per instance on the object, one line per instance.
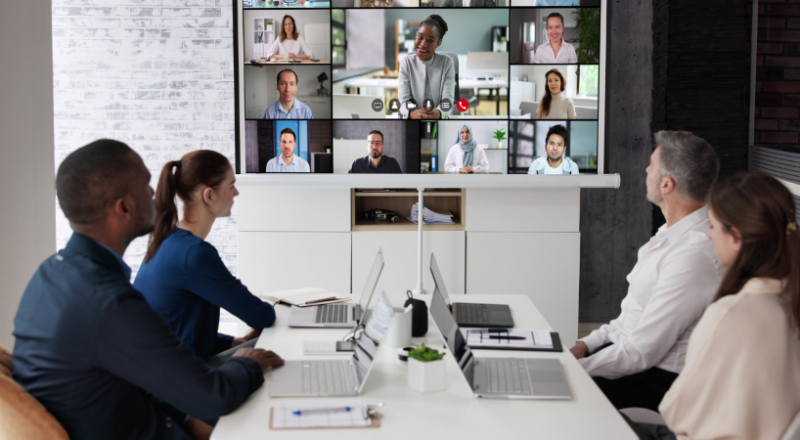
(341, 377)
(339, 315)
(499, 378)
(472, 315)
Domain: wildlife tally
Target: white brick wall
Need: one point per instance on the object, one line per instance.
(155, 74)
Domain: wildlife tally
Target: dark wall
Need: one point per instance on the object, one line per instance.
(672, 65)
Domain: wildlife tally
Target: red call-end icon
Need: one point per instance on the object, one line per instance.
(462, 105)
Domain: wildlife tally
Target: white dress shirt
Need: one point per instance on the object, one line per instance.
(455, 160)
(566, 55)
(672, 283)
(287, 46)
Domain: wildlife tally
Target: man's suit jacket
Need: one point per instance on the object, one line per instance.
(472, 3)
(93, 352)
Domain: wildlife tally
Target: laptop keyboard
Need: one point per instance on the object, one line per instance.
(473, 313)
(325, 377)
(331, 313)
(507, 376)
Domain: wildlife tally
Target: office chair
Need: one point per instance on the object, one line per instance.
(21, 416)
(457, 96)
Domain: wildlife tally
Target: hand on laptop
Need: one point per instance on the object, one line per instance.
(252, 334)
(580, 350)
(264, 358)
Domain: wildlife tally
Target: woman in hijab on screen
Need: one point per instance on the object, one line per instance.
(466, 157)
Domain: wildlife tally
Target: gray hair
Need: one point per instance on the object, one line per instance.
(689, 160)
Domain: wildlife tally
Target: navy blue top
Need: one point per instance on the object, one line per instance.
(91, 350)
(387, 165)
(187, 283)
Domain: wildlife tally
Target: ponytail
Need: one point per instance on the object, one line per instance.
(180, 178)
(166, 210)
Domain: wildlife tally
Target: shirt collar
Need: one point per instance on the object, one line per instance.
(763, 286)
(683, 225)
(281, 162)
(281, 109)
(380, 162)
(125, 268)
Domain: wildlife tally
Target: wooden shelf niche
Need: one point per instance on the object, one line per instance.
(400, 201)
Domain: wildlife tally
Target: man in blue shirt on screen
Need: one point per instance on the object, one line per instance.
(287, 107)
(287, 162)
(375, 161)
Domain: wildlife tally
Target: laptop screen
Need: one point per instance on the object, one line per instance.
(438, 281)
(372, 282)
(453, 337)
(363, 356)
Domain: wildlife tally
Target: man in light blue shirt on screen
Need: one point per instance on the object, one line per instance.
(287, 107)
(287, 162)
(558, 3)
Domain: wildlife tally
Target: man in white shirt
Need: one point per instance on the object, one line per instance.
(635, 358)
(287, 162)
(556, 50)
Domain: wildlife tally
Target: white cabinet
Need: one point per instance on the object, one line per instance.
(498, 159)
(543, 266)
(345, 151)
(270, 261)
(273, 209)
(523, 210)
(320, 105)
(400, 254)
(521, 91)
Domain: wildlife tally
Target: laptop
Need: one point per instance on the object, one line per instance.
(321, 378)
(472, 315)
(339, 315)
(499, 378)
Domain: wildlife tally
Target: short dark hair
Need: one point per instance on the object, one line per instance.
(296, 80)
(376, 132)
(559, 130)
(437, 23)
(93, 177)
(555, 15)
(288, 130)
(689, 160)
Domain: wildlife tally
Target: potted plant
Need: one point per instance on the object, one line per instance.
(426, 370)
(588, 30)
(322, 91)
(328, 148)
(499, 134)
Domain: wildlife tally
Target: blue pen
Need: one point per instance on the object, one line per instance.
(318, 410)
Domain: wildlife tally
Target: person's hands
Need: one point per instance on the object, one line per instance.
(580, 350)
(264, 358)
(466, 170)
(198, 429)
(291, 55)
(422, 114)
(300, 2)
(252, 334)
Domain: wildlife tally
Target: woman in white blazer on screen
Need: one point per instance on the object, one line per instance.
(290, 44)
(466, 157)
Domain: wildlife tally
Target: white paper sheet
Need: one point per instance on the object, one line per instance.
(283, 417)
(531, 338)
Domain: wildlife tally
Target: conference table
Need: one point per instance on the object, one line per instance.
(463, 83)
(451, 413)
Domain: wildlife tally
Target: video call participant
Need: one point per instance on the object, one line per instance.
(555, 104)
(467, 4)
(183, 277)
(88, 346)
(635, 358)
(555, 162)
(425, 75)
(743, 360)
(287, 107)
(556, 50)
(290, 44)
(287, 162)
(375, 161)
(466, 157)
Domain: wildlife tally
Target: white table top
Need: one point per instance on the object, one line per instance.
(464, 83)
(452, 413)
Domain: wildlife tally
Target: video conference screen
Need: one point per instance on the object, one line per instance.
(420, 86)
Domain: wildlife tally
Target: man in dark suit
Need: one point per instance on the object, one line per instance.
(89, 347)
(470, 3)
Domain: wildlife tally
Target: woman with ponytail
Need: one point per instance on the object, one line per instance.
(182, 276)
(742, 373)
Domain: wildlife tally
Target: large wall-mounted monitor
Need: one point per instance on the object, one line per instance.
(420, 87)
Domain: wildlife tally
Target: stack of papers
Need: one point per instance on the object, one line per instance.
(509, 339)
(429, 217)
(304, 297)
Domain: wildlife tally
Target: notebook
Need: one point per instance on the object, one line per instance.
(286, 417)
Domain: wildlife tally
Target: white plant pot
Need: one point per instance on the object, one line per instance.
(426, 377)
(500, 145)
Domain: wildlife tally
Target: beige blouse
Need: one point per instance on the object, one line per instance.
(742, 373)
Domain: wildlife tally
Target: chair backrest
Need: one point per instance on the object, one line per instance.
(528, 107)
(793, 431)
(21, 416)
(585, 112)
(457, 94)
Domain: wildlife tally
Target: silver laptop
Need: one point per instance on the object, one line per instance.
(499, 378)
(343, 377)
(339, 315)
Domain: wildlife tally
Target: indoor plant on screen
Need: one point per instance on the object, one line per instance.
(426, 372)
(499, 134)
(588, 38)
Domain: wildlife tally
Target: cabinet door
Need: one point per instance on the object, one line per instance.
(274, 209)
(545, 267)
(400, 253)
(270, 261)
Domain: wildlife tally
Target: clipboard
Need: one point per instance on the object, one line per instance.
(553, 335)
(376, 423)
